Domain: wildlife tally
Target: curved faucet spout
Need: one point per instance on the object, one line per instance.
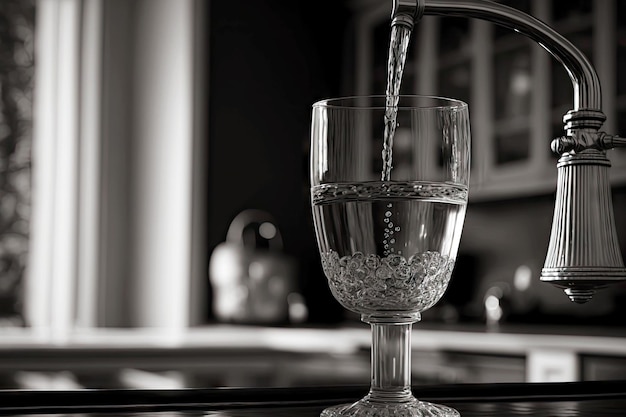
(587, 93)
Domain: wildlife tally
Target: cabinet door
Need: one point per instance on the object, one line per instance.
(602, 368)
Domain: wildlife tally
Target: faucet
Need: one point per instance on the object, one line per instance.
(583, 252)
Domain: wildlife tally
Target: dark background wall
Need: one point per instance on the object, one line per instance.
(269, 61)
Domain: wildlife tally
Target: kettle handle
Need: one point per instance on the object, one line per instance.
(247, 217)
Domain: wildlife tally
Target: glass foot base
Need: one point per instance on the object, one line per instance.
(365, 408)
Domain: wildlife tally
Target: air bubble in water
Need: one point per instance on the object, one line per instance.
(369, 282)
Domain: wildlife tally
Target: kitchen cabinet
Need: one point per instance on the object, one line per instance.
(516, 91)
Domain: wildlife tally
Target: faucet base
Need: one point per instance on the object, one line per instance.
(583, 253)
(581, 285)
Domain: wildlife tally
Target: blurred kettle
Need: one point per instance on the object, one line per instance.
(253, 280)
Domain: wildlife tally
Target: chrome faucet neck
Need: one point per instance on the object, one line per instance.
(585, 81)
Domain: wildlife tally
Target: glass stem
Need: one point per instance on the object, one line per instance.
(391, 359)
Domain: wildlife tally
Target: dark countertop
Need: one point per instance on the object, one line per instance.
(578, 399)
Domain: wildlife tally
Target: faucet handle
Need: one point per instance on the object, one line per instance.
(564, 144)
(581, 140)
(607, 141)
(578, 140)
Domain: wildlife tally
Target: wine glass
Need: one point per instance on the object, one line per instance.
(388, 214)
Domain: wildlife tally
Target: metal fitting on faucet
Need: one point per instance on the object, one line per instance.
(406, 12)
(583, 140)
(611, 141)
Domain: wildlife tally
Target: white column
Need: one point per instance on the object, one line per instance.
(50, 281)
(118, 169)
(89, 180)
(162, 160)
